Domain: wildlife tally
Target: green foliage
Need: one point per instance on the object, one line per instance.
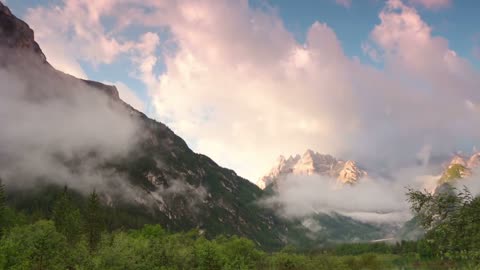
(433, 209)
(67, 217)
(452, 243)
(93, 221)
(36, 246)
(454, 171)
(452, 220)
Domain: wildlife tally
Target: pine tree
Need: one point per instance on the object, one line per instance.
(67, 217)
(2, 208)
(94, 223)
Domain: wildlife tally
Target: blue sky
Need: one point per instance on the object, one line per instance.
(245, 81)
(458, 23)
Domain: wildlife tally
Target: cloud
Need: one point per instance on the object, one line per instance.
(77, 24)
(240, 88)
(74, 32)
(432, 4)
(344, 3)
(370, 200)
(270, 94)
(57, 129)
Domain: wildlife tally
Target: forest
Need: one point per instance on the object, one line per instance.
(69, 236)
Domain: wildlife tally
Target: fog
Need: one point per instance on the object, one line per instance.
(372, 199)
(56, 128)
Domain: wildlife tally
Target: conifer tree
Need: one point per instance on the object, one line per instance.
(2, 208)
(93, 220)
(67, 217)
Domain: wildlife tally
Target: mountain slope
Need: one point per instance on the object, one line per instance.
(158, 178)
(329, 226)
(460, 167)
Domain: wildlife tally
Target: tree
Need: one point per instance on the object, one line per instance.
(207, 255)
(240, 253)
(433, 209)
(2, 209)
(93, 221)
(452, 221)
(37, 246)
(67, 217)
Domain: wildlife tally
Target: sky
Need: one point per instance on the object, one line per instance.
(381, 82)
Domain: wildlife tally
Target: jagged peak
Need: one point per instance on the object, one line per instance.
(474, 160)
(309, 153)
(310, 163)
(15, 33)
(458, 159)
(5, 9)
(460, 166)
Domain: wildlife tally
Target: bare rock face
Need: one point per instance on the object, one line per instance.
(313, 163)
(460, 167)
(350, 173)
(15, 33)
(474, 161)
(459, 160)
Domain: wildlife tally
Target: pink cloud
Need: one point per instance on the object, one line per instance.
(432, 4)
(238, 75)
(408, 45)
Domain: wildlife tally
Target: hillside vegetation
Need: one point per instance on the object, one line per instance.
(72, 237)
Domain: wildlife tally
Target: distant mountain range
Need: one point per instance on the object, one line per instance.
(313, 163)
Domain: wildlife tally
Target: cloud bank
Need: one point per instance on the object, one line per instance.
(240, 88)
(370, 200)
(57, 129)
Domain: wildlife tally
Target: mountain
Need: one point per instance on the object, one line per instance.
(332, 227)
(460, 167)
(313, 163)
(159, 180)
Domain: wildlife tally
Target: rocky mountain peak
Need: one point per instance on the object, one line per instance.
(313, 163)
(474, 161)
(350, 173)
(460, 167)
(15, 33)
(458, 159)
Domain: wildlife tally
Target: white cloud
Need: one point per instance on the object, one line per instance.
(370, 200)
(36, 103)
(251, 92)
(241, 89)
(73, 31)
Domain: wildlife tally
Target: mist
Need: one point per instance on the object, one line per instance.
(55, 128)
(372, 199)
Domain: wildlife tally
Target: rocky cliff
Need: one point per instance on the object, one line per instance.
(313, 163)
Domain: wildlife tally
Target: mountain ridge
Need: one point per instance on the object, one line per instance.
(171, 184)
(313, 163)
